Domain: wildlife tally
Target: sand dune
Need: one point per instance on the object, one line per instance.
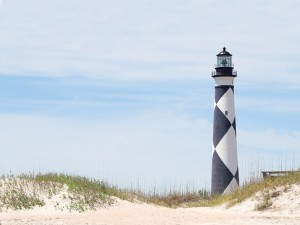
(126, 213)
(285, 210)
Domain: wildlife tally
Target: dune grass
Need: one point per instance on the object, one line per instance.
(16, 194)
(27, 191)
(267, 187)
(202, 198)
(81, 193)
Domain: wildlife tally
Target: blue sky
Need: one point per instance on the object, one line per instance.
(122, 90)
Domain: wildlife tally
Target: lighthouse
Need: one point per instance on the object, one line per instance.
(225, 173)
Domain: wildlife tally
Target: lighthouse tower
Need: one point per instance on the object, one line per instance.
(225, 173)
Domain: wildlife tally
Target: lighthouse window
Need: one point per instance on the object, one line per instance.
(224, 61)
(226, 113)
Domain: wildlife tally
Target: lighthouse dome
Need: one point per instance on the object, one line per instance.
(224, 53)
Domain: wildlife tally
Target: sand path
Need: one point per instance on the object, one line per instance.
(126, 213)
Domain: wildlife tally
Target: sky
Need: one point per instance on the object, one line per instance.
(122, 90)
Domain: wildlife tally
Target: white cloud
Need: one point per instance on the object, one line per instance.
(153, 147)
(145, 40)
(274, 104)
(270, 140)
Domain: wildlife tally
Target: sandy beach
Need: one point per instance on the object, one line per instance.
(127, 213)
(284, 209)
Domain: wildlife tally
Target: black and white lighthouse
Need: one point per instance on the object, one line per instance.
(225, 173)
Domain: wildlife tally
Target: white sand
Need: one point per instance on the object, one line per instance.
(285, 210)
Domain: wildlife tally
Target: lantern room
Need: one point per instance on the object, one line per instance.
(224, 66)
(224, 59)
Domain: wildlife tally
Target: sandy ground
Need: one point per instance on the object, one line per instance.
(126, 213)
(285, 210)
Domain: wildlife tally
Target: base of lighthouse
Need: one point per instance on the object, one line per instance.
(225, 174)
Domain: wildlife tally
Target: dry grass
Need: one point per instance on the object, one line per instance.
(18, 194)
(177, 199)
(27, 191)
(24, 192)
(265, 186)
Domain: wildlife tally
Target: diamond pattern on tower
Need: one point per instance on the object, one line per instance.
(213, 149)
(226, 150)
(221, 126)
(221, 175)
(225, 176)
(220, 91)
(226, 105)
(233, 185)
(234, 126)
(237, 176)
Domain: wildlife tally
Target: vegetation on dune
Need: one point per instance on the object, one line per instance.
(177, 199)
(17, 194)
(81, 193)
(267, 187)
(27, 191)
(85, 193)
